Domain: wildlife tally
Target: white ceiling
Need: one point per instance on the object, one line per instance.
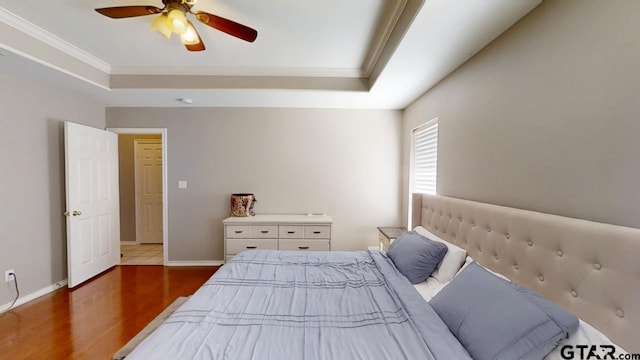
(379, 54)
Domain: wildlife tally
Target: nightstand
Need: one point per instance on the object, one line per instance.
(386, 235)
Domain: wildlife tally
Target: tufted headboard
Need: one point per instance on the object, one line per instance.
(590, 269)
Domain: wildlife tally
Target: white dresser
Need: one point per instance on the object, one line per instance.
(276, 232)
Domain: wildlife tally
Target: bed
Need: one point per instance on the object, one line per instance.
(366, 305)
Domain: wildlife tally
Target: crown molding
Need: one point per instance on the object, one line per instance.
(383, 33)
(240, 71)
(52, 40)
(203, 82)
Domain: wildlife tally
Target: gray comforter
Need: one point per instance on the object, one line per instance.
(304, 305)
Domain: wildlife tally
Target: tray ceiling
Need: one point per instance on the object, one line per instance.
(325, 53)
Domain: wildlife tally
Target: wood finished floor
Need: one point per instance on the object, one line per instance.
(96, 319)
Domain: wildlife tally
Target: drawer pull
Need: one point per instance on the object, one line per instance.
(303, 247)
(238, 231)
(291, 232)
(264, 231)
(252, 247)
(317, 232)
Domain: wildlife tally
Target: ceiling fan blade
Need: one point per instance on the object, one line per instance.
(225, 25)
(119, 12)
(196, 47)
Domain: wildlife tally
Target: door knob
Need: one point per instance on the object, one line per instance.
(74, 213)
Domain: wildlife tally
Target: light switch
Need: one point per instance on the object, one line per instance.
(182, 184)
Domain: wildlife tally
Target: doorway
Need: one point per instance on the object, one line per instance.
(143, 195)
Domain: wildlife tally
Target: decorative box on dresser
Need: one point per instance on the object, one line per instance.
(276, 232)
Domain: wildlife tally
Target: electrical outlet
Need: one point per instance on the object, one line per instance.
(9, 275)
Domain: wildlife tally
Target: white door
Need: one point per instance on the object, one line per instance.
(148, 173)
(93, 220)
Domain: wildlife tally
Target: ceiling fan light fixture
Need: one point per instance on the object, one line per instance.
(161, 25)
(177, 21)
(190, 37)
(173, 19)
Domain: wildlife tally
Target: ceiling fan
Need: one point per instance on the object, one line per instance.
(172, 19)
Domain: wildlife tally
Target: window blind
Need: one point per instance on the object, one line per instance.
(425, 157)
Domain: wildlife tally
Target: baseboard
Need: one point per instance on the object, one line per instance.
(195, 263)
(34, 295)
(129, 243)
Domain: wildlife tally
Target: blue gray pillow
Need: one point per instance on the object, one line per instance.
(497, 319)
(416, 256)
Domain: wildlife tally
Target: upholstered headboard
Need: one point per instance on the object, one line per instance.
(590, 269)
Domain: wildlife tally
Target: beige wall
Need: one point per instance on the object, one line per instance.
(546, 117)
(345, 163)
(32, 197)
(127, 184)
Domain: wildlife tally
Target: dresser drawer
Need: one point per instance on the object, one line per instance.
(238, 231)
(265, 231)
(291, 231)
(317, 232)
(300, 244)
(235, 246)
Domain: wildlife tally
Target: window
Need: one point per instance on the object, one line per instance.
(424, 165)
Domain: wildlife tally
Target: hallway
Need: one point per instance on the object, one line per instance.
(141, 254)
